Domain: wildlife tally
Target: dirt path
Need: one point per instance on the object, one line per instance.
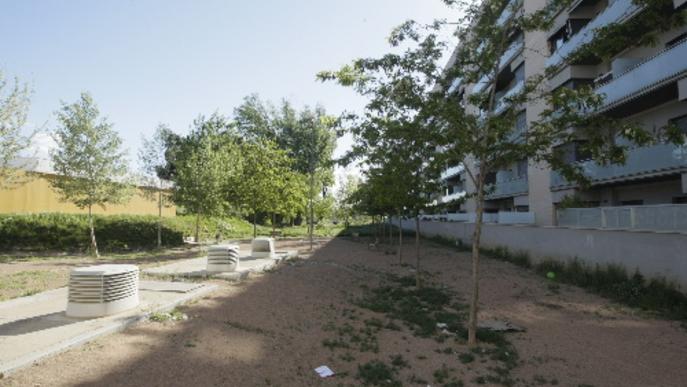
(276, 328)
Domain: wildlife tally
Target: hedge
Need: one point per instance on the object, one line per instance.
(70, 232)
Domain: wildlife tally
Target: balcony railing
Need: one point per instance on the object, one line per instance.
(503, 189)
(511, 52)
(507, 12)
(666, 66)
(653, 160)
(617, 12)
(663, 217)
(451, 197)
(452, 171)
(502, 103)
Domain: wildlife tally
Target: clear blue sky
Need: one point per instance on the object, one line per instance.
(168, 61)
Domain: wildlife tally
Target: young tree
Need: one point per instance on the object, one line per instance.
(89, 162)
(265, 176)
(152, 158)
(14, 105)
(394, 134)
(344, 209)
(204, 164)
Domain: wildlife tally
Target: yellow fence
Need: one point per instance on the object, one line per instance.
(37, 196)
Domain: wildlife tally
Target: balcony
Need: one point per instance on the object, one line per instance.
(511, 52)
(658, 70)
(451, 197)
(507, 12)
(508, 188)
(663, 217)
(451, 172)
(503, 102)
(656, 160)
(617, 12)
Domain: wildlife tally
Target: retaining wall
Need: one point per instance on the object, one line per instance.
(655, 254)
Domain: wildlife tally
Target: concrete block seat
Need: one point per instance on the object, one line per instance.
(262, 247)
(102, 290)
(223, 258)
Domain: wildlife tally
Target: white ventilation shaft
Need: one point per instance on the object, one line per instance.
(223, 258)
(262, 247)
(102, 290)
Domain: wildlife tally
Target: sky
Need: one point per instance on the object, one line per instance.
(167, 61)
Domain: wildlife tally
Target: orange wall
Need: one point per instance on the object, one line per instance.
(37, 196)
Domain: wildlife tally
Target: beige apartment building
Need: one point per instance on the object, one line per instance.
(646, 84)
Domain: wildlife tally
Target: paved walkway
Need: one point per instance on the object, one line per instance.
(36, 326)
(196, 267)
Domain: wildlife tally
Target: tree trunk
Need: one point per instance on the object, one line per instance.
(312, 209)
(391, 234)
(418, 279)
(472, 323)
(159, 219)
(400, 239)
(198, 228)
(94, 244)
(274, 226)
(255, 227)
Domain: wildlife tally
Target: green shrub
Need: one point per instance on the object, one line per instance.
(70, 232)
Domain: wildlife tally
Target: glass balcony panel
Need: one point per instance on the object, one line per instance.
(617, 12)
(666, 65)
(508, 188)
(502, 104)
(640, 161)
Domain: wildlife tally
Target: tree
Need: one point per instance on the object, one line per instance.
(266, 179)
(153, 162)
(394, 135)
(14, 105)
(308, 138)
(204, 164)
(312, 143)
(344, 207)
(89, 162)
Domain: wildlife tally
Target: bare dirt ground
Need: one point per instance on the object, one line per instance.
(274, 329)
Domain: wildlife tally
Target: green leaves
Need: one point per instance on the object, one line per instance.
(14, 106)
(88, 161)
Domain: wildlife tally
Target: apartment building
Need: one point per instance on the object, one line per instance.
(645, 83)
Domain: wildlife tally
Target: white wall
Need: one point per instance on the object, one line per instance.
(653, 254)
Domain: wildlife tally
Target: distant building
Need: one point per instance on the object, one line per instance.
(37, 196)
(643, 83)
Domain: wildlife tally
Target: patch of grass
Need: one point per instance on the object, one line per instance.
(442, 374)
(418, 308)
(377, 373)
(466, 358)
(173, 315)
(348, 357)
(26, 283)
(399, 362)
(612, 281)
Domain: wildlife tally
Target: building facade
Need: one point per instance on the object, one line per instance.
(642, 82)
(37, 196)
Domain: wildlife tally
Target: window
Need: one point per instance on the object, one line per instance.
(519, 74)
(680, 122)
(521, 169)
(574, 152)
(631, 202)
(680, 200)
(521, 122)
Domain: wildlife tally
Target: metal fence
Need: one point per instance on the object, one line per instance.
(662, 217)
